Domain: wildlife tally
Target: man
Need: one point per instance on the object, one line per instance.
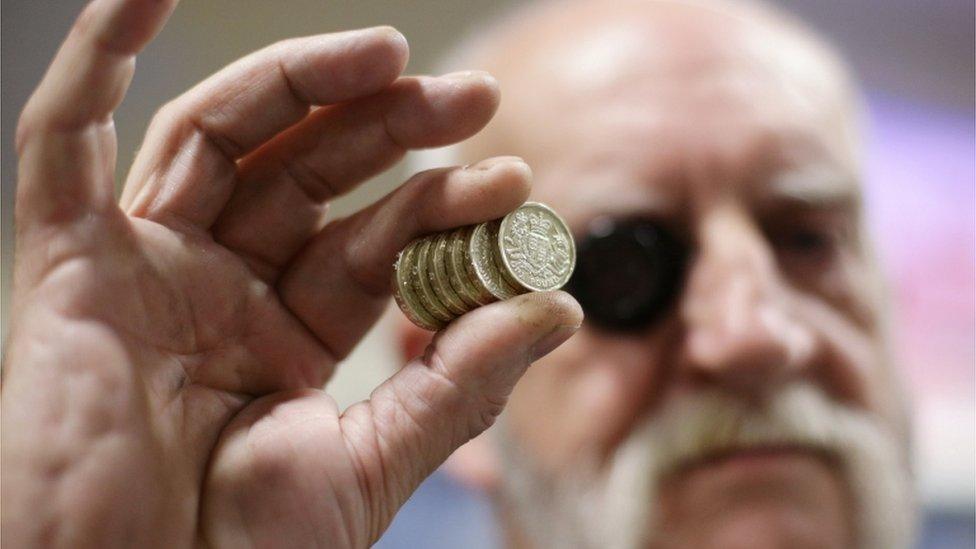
(159, 384)
(756, 405)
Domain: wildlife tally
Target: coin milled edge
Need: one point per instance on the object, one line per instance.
(481, 265)
(404, 295)
(439, 279)
(422, 285)
(459, 276)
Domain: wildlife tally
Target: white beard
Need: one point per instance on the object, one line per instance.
(613, 506)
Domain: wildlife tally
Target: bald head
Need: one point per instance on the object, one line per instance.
(553, 58)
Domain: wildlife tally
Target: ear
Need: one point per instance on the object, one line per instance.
(474, 465)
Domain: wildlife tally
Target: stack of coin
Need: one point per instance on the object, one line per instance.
(440, 277)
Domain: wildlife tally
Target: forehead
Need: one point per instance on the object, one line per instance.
(662, 141)
(645, 166)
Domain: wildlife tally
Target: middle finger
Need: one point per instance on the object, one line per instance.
(187, 165)
(280, 199)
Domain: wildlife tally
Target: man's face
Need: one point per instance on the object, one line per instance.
(759, 410)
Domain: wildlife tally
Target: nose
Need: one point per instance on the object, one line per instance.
(740, 330)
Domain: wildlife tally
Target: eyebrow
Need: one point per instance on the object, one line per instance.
(816, 189)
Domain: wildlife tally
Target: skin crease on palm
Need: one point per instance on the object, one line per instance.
(736, 128)
(160, 383)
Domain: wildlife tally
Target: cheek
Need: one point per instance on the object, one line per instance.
(583, 398)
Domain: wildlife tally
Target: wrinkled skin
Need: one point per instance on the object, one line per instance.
(165, 353)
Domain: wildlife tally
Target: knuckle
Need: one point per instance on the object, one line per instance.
(454, 397)
(423, 194)
(34, 120)
(26, 128)
(282, 45)
(313, 182)
(165, 116)
(359, 256)
(87, 19)
(430, 176)
(488, 412)
(479, 402)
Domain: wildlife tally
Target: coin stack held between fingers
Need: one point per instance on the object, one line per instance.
(441, 276)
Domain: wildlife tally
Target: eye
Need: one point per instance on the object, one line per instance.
(808, 241)
(628, 271)
(809, 245)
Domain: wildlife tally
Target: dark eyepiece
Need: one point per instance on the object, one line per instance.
(627, 273)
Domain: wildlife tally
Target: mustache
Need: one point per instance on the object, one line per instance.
(612, 503)
(694, 427)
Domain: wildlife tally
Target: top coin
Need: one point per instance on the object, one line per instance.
(535, 247)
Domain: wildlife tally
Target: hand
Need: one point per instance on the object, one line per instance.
(160, 384)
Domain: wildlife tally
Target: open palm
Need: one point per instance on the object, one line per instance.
(162, 372)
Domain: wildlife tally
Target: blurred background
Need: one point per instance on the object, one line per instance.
(916, 63)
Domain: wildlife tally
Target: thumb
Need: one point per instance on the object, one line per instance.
(436, 403)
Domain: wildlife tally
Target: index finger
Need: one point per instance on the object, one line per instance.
(91, 71)
(65, 139)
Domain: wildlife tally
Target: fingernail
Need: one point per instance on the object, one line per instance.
(392, 33)
(551, 340)
(489, 163)
(467, 75)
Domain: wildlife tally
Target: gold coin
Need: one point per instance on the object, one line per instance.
(480, 264)
(535, 248)
(459, 275)
(403, 293)
(440, 277)
(439, 280)
(422, 286)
